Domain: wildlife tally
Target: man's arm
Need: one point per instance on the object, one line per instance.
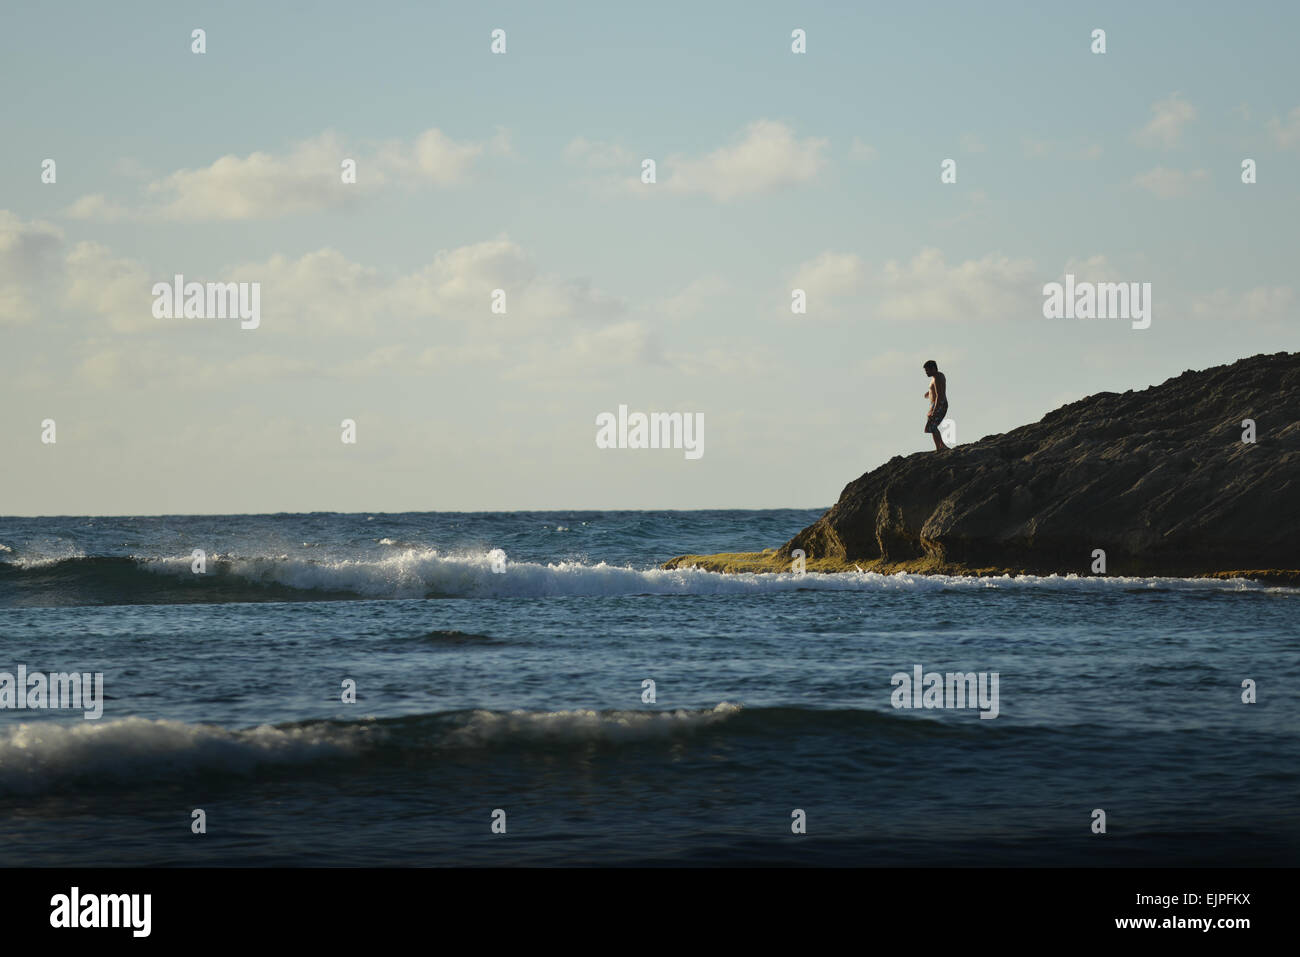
(941, 388)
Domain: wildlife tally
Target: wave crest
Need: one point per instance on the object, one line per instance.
(45, 755)
(428, 573)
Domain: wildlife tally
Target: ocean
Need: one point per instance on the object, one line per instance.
(504, 712)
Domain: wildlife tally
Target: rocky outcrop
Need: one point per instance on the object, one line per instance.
(1161, 480)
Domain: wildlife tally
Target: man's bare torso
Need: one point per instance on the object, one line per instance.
(938, 389)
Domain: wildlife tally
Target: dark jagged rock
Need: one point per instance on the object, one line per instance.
(1161, 480)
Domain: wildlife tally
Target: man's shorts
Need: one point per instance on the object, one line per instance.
(934, 418)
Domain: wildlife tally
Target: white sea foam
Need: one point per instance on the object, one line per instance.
(417, 572)
(488, 727)
(48, 557)
(36, 754)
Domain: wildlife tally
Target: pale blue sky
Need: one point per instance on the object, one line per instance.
(775, 170)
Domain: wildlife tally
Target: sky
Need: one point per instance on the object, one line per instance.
(522, 171)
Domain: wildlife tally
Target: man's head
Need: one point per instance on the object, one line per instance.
(930, 367)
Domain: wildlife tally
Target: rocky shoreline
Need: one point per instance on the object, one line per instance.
(1165, 482)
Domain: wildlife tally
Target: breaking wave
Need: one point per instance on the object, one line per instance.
(46, 755)
(428, 573)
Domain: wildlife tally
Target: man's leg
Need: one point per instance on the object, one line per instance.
(932, 426)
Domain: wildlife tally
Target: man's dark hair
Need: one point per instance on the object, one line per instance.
(930, 364)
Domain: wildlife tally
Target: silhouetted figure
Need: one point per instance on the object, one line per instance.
(938, 396)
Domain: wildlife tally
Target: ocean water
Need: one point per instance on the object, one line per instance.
(521, 691)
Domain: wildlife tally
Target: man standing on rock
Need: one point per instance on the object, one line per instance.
(938, 396)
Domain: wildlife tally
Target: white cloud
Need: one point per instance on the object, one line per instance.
(1169, 183)
(599, 155)
(315, 305)
(840, 285)
(98, 207)
(322, 289)
(305, 179)
(501, 143)
(829, 275)
(584, 358)
(40, 277)
(1286, 133)
(994, 287)
(258, 186)
(326, 290)
(862, 151)
(459, 284)
(109, 287)
(29, 256)
(433, 156)
(1168, 117)
(1096, 268)
(695, 299)
(767, 157)
(1262, 302)
(623, 343)
(318, 295)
